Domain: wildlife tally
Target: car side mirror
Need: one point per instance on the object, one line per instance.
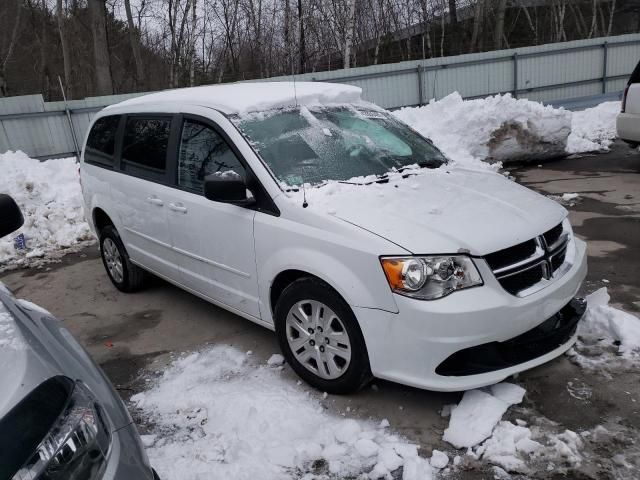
(227, 187)
(11, 218)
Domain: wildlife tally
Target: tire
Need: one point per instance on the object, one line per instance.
(323, 344)
(124, 275)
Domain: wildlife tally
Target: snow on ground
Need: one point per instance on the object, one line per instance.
(608, 337)
(476, 424)
(474, 418)
(49, 196)
(593, 129)
(502, 128)
(215, 416)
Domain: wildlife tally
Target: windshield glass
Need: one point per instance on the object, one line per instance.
(313, 145)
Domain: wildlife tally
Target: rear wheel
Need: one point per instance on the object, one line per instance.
(124, 275)
(320, 337)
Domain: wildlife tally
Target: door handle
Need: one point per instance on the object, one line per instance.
(155, 200)
(178, 207)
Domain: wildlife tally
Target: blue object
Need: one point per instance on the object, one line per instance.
(20, 243)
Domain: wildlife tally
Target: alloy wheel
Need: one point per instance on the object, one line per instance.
(113, 259)
(318, 339)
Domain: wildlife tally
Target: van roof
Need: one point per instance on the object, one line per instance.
(232, 98)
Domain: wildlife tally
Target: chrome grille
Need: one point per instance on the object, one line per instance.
(532, 263)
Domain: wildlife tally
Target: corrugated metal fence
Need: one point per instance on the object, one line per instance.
(544, 73)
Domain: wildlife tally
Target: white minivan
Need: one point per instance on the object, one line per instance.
(628, 121)
(316, 214)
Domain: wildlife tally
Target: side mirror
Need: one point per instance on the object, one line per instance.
(228, 187)
(11, 218)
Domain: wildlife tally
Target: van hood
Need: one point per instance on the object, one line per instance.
(445, 210)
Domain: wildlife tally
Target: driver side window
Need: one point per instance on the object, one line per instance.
(204, 152)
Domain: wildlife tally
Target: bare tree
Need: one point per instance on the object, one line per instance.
(348, 37)
(64, 44)
(478, 13)
(101, 59)
(12, 43)
(134, 39)
(498, 33)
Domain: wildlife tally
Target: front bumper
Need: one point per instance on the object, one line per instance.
(408, 347)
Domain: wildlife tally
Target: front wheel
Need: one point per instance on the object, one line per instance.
(320, 337)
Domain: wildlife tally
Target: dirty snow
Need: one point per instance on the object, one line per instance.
(502, 128)
(216, 416)
(275, 360)
(476, 424)
(474, 418)
(495, 128)
(49, 196)
(608, 337)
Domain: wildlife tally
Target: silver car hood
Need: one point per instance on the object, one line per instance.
(443, 210)
(34, 346)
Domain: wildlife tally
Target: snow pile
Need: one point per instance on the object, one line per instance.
(502, 128)
(605, 328)
(520, 449)
(474, 418)
(476, 425)
(49, 196)
(498, 128)
(593, 129)
(215, 416)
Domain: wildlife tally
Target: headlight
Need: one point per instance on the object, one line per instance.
(430, 277)
(77, 444)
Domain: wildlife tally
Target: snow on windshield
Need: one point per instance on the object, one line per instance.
(316, 144)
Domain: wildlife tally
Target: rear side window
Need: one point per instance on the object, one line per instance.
(145, 142)
(204, 152)
(101, 143)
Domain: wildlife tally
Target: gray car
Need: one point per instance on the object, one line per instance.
(60, 417)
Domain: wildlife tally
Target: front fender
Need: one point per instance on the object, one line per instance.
(355, 273)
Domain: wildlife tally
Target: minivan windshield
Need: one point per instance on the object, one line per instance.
(317, 144)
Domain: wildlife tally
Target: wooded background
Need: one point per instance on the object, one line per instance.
(100, 47)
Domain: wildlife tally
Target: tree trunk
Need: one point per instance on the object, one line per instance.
(477, 21)
(613, 9)
(101, 60)
(192, 50)
(499, 30)
(134, 38)
(44, 59)
(533, 28)
(453, 12)
(348, 37)
(288, 67)
(64, 43)
(12, 44)
(594, 19)
(303, 48)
